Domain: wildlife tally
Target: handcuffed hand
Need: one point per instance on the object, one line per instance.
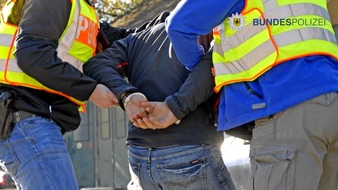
(159, 116)
(134, 107)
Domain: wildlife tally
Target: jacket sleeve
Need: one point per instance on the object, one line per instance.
(197, 88)
(110, 68)
(191, 18)
(42, 24)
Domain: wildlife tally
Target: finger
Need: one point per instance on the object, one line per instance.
(141, 124)
(135, 118)
(136, 124)
(112, 97)
(116, 104)
(148, 104)
(147, 122)
(160, 124)
(142, 114)
(149, 110)
(132, 119)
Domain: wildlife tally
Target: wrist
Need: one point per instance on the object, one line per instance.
(127, 97)
(177, 121)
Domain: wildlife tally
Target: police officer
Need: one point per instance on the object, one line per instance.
(283, 77)
(43, 45)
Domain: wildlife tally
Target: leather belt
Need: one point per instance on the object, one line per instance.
(21, 115)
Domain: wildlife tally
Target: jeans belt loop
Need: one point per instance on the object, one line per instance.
(21, 115)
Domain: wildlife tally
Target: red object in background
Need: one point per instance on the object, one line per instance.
(6, 180)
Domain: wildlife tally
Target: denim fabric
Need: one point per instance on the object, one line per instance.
(193, 167)
(37, 157)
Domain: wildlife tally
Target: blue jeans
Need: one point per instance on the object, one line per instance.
(193, 167)
(36, 156)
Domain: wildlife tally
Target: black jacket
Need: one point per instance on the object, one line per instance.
(152, 68)
(40, 27)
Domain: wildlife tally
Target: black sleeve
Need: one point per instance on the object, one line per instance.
(110, 68)
(112, 33)
(41, 25)
(197, 88)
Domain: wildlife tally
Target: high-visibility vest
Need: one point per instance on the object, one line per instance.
(245, 47)
(76, 45)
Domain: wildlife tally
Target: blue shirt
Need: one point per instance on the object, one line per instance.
(282, 87)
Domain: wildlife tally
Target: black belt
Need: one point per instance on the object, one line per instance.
(21, 115)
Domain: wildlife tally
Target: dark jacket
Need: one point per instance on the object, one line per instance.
(152, 68)
(41, 25)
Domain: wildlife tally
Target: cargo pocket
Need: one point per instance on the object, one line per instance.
(273, 163)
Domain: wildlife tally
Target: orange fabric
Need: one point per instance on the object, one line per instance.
(86, 36)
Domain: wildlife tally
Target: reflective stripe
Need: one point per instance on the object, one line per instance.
(245, 54)
(69, 48)
(293, 36)
(298, 10)
(294, 50)
(246, 62)
(6, 39)
(29, 81)
(4, 52)
(222, 80)
(68, 37)
(12, 66)
(292, 2)
(247, 32)
(79, 39)
(256, 55)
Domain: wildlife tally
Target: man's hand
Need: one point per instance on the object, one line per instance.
(159, 116)
(103, 97)
(134, 107)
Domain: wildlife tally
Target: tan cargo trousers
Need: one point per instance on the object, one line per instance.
(297, 149)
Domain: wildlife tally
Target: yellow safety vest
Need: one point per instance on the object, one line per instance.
(245, 46)
(76, 45)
